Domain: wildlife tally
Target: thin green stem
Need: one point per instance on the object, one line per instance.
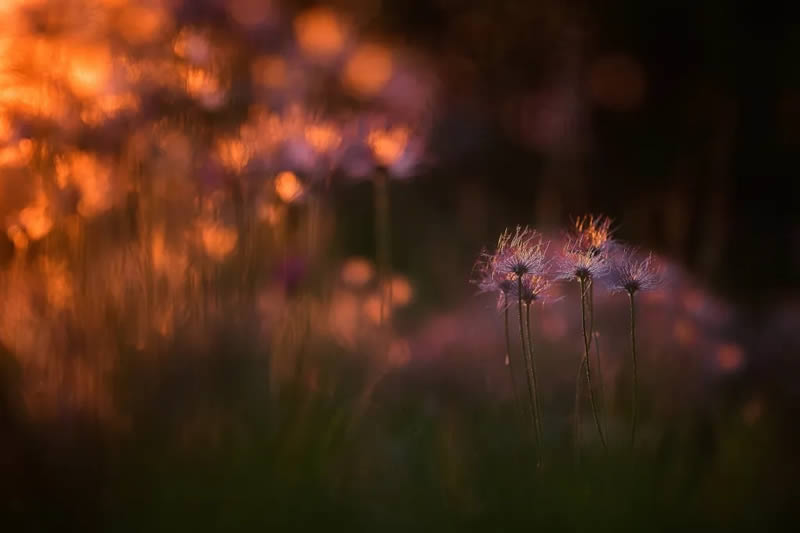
(635, 391)
(532, 369)
(527, 368)
(587, 342)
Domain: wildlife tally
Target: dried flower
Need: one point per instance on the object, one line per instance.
(534, 288)
(630, 274)
(585, 253)
(518, 255)
(523, 254)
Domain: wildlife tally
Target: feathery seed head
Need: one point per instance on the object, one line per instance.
(631, 274)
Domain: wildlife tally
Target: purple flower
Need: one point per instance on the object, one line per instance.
(630, 274)
(585, 253)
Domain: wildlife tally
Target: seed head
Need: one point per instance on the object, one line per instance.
(630, 274)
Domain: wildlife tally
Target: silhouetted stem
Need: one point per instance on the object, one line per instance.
(517, 399)
(532, 369)
(527, 368)
(635, 371)
(603, 404)
(587, 342)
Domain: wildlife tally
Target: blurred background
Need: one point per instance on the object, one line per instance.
(238, 237)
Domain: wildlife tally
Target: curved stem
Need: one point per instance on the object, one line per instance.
(587, 342)
(532, 369)
(635, 371)
(527, 368)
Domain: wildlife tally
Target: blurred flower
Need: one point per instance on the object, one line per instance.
(357, 272)
(288, 186)
(388, 145)
(368, 70)
(320, 32)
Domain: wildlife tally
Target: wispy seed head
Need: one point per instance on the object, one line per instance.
(631, 274)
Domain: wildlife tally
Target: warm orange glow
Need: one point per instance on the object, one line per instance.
(372, 309)
(402, 293)
(17, 154)
(36, 221)
(388, 145)
(270, 71)
(288, 186)
(320, 32)
(89, 70)
(204, 86)
(368, 69)
(233, 154)
(17, 236)
(218, 240)
(357, 272)
(91, 177)
(248, 12)
(323, 138)
(139, 24)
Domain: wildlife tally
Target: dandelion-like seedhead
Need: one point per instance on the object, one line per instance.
(520, 255)
(524, 253)
(534, 288)
(630, 274)
(581, 263)
(585, 253)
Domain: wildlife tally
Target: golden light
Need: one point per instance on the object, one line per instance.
(388, 145)
(140, 24)
(218, 240)
(368, 69)
(233, 154)
(322, 138)
(17, 236)
(203, 85)
(89, 70)
(372, 309)
(320, 32)
(402, 293)
(357, 272)
(36, 221)
(17, 154)
(288, 186)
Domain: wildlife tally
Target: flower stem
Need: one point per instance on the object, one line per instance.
(594, 338)
(528, 372)
(517, 400)
(587, 342)
(635, 371)
(532, 370)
